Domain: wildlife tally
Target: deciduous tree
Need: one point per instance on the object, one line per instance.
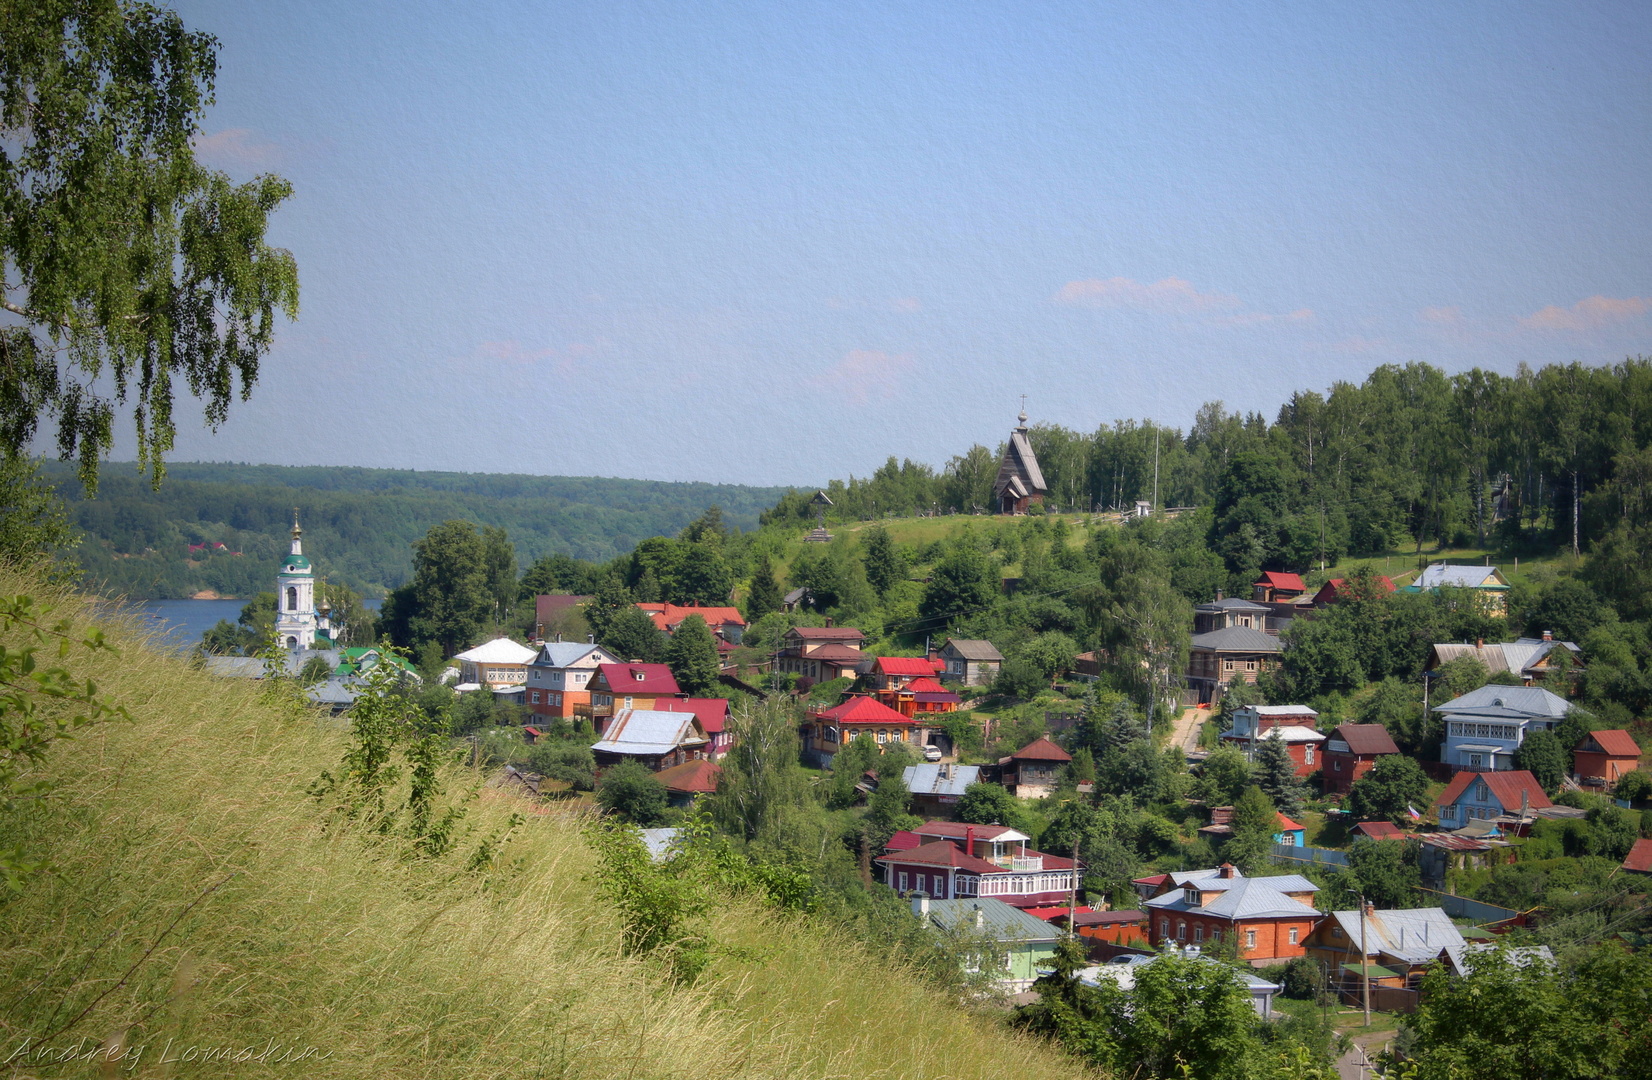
(692, 656)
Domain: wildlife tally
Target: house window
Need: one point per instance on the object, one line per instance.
(901, 879)
(628, 701)
(1216, 936)
(1309, 759)
(1181, 931)
(883, 737)
(1294, 932)
(1336, 766)
(1250, 665)
(1250, 939)
(1164, 928)
(1336, 932)
(1475, 761)
(1198, 933)
(533, 697)
(554, 698)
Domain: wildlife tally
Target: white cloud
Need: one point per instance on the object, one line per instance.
(863, 371)
(1172, 295)
(1588, 314)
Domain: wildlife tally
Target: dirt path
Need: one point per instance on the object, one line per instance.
(1184, 734)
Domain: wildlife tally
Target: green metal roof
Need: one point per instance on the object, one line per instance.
(1373, 971)
(295, 564)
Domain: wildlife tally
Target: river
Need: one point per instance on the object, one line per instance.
(184, 621)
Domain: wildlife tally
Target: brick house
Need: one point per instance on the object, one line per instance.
(1291, 724)
(1351, 751)
(1602, 758)
(1269, 917)
(559, 678)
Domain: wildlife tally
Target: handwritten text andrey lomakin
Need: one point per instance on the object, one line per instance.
(272, 1052)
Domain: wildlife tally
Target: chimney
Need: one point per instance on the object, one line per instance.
(1548, 635)
(1479, 643)
(590, 639)
(828, 622)
(1218, 595)
(1226, 871)
(969, 840)
(1370, 910)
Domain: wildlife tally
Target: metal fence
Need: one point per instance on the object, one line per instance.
(1461, 907)
(1292, 853)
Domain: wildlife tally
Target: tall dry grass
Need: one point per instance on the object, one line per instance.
(199, 906)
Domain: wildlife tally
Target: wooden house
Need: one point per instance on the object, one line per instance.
(617, 687)
(1275, 586)
(713, 716)
(1603, 757)
(1230, 644)
(658, 740)
(1007, 941)
(951, 859)
(1020, 482)
(972, 662)
(494, 664)
(1395, 951)
(1334, 590)
(1475, 796)
(1531, 660)
(826, 731)
(690, 781)
(1485, 582)
(1351, 751)
(1032, 771)
(822, 653)
(725, 623)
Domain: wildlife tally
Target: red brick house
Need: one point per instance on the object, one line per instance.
(949, 859)
(1602, 758)
(1270, 918)
(1291, 724)
(1351, 751)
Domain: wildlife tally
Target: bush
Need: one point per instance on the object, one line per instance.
(631, 790)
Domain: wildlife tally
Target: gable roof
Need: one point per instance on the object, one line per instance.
(1506, 702)
(1286, 824)
(1289, 733)
(999, 921)
(974, 649)
(904, 665)
(625, 679)
(826, 633)
(1380, 830)
(930, 685)
(1241, 897)
(1240, 639)
(960, 830)
(941, 853)
(561, 654)
(1616, 742)
(1018, 470)
(1464, 577)
(834, 653)
(1412, 935)
(938, 779)
(691, 777)
(1366, 739)
(861, 709)
(1505, 788)
(1331, 591)
(648, 733)
(500, 650)
(1231, 603)
(1640, 857)
(1041, 749)
(713, 712)
(1278, 580)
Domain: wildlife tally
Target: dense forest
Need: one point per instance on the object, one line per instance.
(184, 537)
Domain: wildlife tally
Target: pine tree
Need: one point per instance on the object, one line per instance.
(764, 596)
(1276, 776)
(883, 562)
(692, 655)
(1253, 827)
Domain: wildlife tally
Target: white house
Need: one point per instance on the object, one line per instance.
(1484, 727)
(496, 663)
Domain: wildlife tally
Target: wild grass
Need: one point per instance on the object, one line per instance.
(200, 904)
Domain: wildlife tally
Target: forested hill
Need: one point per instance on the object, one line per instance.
(359, 523)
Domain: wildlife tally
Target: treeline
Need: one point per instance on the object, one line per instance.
(361, 522)
(1557, 457)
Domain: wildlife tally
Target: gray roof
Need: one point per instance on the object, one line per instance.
(1029, 461)
(659, 842)
(1231, 603)
(1242, 897)
(647, 733)
(1237, 639)
(1467, 577)
(1508, 701)
(334, 691)
(1412, 936)
(999, 921)
(1519, 956)
(975, 649)
(234, 667)
(1516, 656)
(562, 653)
(1122, 969)
(938, 779)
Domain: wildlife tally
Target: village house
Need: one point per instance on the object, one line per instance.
(1531, 660)
(1291, 724)
(1603, 757)
(1006, 940)
(907, 685)
(559, 678)
(821, 653)
(1395, 952)
(936, 788)
(1484, 727)
(713, 716)
(690, 781)
(972, 662)
(1332, 591)
(494, 664)
(1230, 644)
(826, 731)
(1032, 771)
(658, 740)
(1351, 751)
(1020, 482)
(725, 623)
(616, 687)
(1486, 796)
(953, 860)
(1277, 587)
(1486, 582)
(1123, 970)
(1270, 918)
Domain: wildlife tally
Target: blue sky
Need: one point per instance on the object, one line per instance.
(779, 242)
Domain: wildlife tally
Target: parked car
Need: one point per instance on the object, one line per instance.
(932, 752)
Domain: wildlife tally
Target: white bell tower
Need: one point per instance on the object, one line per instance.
(295, 618)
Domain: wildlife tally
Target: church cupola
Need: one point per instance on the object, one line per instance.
(295, 611)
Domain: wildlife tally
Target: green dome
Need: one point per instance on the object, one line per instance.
(296, 564)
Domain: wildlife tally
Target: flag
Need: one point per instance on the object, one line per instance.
(1412, 810)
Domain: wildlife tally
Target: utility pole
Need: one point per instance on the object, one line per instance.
(1156, 469)
(1364, 971)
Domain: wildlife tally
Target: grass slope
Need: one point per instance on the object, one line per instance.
(198, 900)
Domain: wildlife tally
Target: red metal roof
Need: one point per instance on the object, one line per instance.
(927, 686)
(713, 712)
(904, 665)
(1380, 830)
(942, 853)
(1041, 749)
(1640, 857)
(667, 616)
(1286, 824)
(1616, 742)
(693, 777)
(904, 841)
(1279, 580)
(1506, 788)
(625, 679)
(865, 710)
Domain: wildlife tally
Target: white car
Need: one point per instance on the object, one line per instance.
(932, 753)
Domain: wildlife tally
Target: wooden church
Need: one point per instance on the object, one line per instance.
(1020, 482)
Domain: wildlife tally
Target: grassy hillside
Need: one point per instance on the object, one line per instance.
(199, 899)
(358, 522)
